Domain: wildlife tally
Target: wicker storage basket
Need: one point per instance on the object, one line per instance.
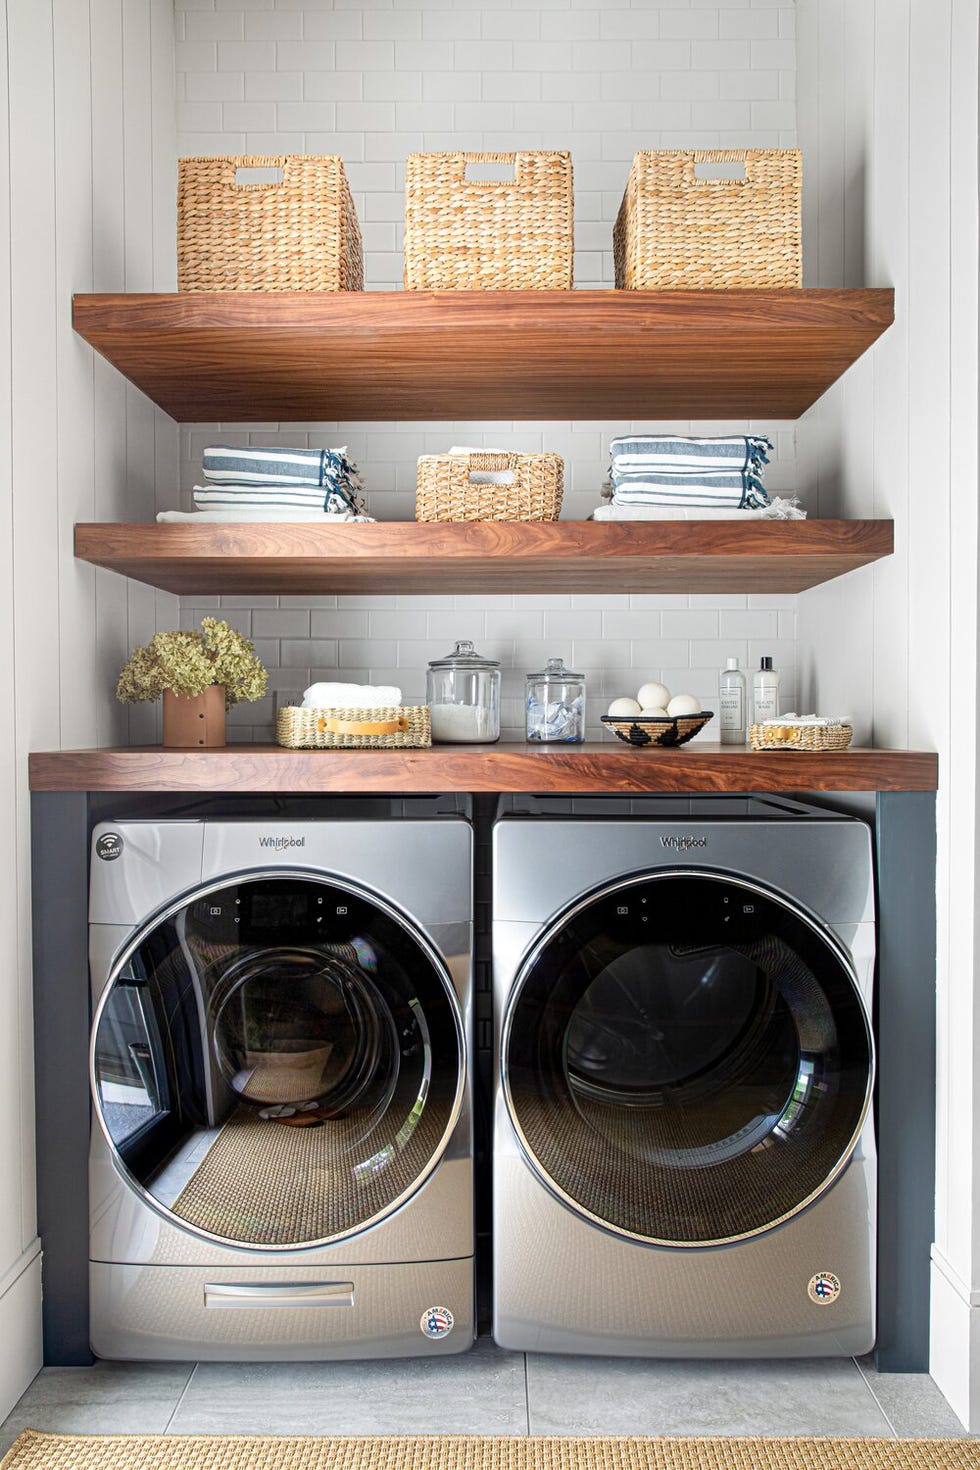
(298, 235)
(676, 230)
(445, 492)
(789, 736)
(474, 235)
(405, 727)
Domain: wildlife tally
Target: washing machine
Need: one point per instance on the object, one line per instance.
(281, 1151)
(684, 1155)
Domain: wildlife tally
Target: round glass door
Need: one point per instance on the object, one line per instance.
(686, 1059)
(278, 1062)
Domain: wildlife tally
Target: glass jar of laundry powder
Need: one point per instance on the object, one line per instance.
(555, 704)
(463, 694)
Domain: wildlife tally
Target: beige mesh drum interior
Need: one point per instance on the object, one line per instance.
(279, 1061)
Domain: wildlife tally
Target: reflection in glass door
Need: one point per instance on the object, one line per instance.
(686, 1058)
(278, 1062)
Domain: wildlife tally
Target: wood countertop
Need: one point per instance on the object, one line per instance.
(555, 769)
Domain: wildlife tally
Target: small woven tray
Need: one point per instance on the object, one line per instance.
(789, 736)
(404, 727)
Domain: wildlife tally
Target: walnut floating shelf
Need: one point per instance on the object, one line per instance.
(486, 556)
(299, 356)
(609, 769)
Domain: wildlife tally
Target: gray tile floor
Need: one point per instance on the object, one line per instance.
(486, 1391)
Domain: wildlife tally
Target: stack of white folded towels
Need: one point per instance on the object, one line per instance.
(275, 484)
(682, 477)
(352, 696)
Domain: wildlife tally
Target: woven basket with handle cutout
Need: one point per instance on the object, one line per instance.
(467, 234)
(678, 230)
(300, 234)
(445, 491)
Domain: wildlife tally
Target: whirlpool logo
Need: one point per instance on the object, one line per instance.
(683, 844)
(280, 844)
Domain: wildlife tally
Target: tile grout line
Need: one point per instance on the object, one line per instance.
(183, 1395)
(884, 1412)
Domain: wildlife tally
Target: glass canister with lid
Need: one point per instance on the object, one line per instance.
(463, 694)
(555, 704)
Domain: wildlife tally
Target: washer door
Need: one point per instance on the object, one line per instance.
(686, 1059)
(278, 1061)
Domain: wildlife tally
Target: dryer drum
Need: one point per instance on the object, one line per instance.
(686, 1058)
(278, 1061)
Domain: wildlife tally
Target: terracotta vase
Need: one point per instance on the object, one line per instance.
(194, 720)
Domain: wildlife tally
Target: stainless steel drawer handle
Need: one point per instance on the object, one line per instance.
(266, 1294)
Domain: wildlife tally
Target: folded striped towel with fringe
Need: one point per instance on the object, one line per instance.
(238, 470)
(328, 499)
(250, 465)
(632, 452)
(738, 489)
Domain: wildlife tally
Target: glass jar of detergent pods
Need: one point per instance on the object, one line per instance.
(555, 704)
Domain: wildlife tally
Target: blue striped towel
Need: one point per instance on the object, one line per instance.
(332, 500)
(323, 475)
(669, 452)
(736, 489)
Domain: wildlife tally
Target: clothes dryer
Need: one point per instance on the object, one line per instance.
(684, 1157)
(281, 1153)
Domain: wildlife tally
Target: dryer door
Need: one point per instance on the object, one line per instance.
(686, 1058)
(278, 1061)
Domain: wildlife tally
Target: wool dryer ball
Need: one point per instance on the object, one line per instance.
(653, 696)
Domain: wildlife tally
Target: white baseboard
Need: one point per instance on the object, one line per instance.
(954, 1341)
(20, 1326)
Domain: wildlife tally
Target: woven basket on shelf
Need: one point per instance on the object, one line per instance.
(300, 234)
(800, 737)
(676, 230)
(477, 235)
(445, 491)
(403, 727)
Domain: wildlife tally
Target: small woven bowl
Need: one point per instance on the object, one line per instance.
(655, 729)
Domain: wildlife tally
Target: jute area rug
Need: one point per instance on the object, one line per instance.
(37, 1451)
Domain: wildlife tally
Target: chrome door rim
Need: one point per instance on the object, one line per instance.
(346, 885)
(561, 921)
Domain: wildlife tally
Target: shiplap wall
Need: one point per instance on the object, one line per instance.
(888, 124)
(87, 148)
(375, 80)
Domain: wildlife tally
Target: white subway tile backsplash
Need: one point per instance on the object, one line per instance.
(476, 56)
(774, 55)
(750, 86)
(365, 56)
(293, 623)
(511, 25)
(724, 56)
(332, 25)
(399, 25)
(252, 117)
(321, 652)
(747, 624)
(373, 80)
(214, 26)
(273, 25)
(766, 114)
(275, 86)
(246, 56)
